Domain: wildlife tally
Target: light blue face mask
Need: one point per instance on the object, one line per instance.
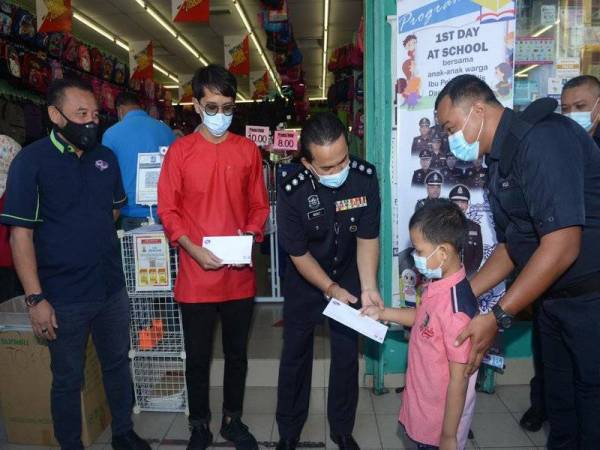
(218, 124)
(460, 147)
(421, 265)
(335, 180)
(584, 118)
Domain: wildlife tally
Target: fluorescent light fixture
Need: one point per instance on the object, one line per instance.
(317, 99)
(171, 86)
(188, 46)
(248, 101)
(93, 26)
(242, 99)
(325, 45)
(122, 44)
(186, 104)
(543, 30)
(522, 73)
(261, 52)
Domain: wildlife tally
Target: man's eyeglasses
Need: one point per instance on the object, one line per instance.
(212, 109)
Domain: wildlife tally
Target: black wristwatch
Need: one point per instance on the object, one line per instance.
(33, 299)
(503, 319)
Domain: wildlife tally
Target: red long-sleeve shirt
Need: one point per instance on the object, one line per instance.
(210, 189)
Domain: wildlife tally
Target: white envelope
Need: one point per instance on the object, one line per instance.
(230, 249)
(351, 317)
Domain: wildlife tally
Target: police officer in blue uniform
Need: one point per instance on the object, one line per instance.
(544, 191)
(423, 141)
(433, 181)
(328, 221)
(419, 175)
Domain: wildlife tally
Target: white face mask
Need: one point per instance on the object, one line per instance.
(584, 118)
(459, 146)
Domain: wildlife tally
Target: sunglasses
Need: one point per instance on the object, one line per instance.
(212, 109)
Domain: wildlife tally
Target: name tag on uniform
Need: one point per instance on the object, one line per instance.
(316, 213)
(350, 203)
(473, 233)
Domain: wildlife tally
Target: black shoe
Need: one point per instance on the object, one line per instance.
(129, 441)
(532, 420)
(287, 444)
(236, 432)
(344, 442)
(201, 437)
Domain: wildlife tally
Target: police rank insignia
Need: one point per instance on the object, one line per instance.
(314, 202)
(351, 203)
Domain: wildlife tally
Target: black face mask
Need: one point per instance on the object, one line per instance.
(84, 136)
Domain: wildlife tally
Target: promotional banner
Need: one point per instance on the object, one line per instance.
(435, 43)
(190, 10)
(259, 84)
(53, 15)
(152, 262)
(186, 93)
(237, 54)
(141, 56)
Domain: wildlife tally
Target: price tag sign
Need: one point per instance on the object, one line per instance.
(285, 141)
(258, 135)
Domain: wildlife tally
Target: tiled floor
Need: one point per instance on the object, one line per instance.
(495, 425)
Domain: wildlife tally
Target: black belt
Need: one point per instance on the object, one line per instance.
(588, 286)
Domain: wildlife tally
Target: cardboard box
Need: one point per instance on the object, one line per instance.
(25, 381)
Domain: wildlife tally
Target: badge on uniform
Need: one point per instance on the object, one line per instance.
(350, 203)
(314, 202)
(317, 213)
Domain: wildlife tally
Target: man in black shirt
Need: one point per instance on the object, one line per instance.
(580, 100)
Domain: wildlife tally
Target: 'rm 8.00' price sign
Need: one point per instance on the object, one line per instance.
(258, 135)
(285, 141)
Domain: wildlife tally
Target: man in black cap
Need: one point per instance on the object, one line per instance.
(473, 249)
(437, 129)
(434, 182)
(452, 174)
(422, 141)
(438, 156)
(419, 175)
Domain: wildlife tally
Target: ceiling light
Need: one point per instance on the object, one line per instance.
(187, 45)
(317, 99)
(93, 26)
(171, 86)
(325, 45)
(186, 104)
(161, 21)
(242, 13)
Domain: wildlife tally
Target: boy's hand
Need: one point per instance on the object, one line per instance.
(372, 311)
(448, 443)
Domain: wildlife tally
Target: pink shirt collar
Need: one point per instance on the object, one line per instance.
(447, 283)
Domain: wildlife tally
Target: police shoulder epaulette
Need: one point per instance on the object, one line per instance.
(293, 181)
(362, 166)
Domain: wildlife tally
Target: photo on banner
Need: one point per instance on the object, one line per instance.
(435, 43)
(54, 16)
(237, 54)
(190, 11)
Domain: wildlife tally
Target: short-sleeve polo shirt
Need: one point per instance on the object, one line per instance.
(68, 201)
(553, 183)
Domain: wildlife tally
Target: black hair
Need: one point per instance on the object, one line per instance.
(582, 80)
(127, 99)
(467, 87)
(216, 79)
(56, 90)
(441, 222)
(409, 38)
(321, 129)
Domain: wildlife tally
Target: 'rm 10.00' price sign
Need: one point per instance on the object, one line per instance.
(258, 135)
(285, 141)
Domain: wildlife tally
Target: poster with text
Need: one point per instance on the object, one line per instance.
(151, 262)
(190, 10)
(259, 84)
(54, 15)
(141, 58)
(436, 42)
(186, 93)
(237, 54)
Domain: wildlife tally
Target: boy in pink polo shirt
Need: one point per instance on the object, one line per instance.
(438, 402)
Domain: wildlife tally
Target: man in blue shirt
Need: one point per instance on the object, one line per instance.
(136, 132)
(62, 197)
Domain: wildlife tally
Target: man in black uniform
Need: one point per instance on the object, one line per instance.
(419, 175)
(476, 176)
(434, 182)
(544, 190)
(422, 141)
(438, 157)
(473, 249)
(438, 130)
(580, 100)
(451, 173)
(328, 221)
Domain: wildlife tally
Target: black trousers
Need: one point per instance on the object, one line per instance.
(570, 338)
(300, 316)
(198, 328)
(537, 382)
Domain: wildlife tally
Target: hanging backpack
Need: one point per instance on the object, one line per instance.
(23, 26)
(56, 70)
(35, 73)
(71, 50)
(6, 21)
(55, 44)
(121, 73)
(108, 68)
(13, 56)
(84, 61)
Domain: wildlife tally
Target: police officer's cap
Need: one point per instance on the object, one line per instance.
(434, 179)
(425, 154)
(436, 138)
(460, 192)
(424, 122)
